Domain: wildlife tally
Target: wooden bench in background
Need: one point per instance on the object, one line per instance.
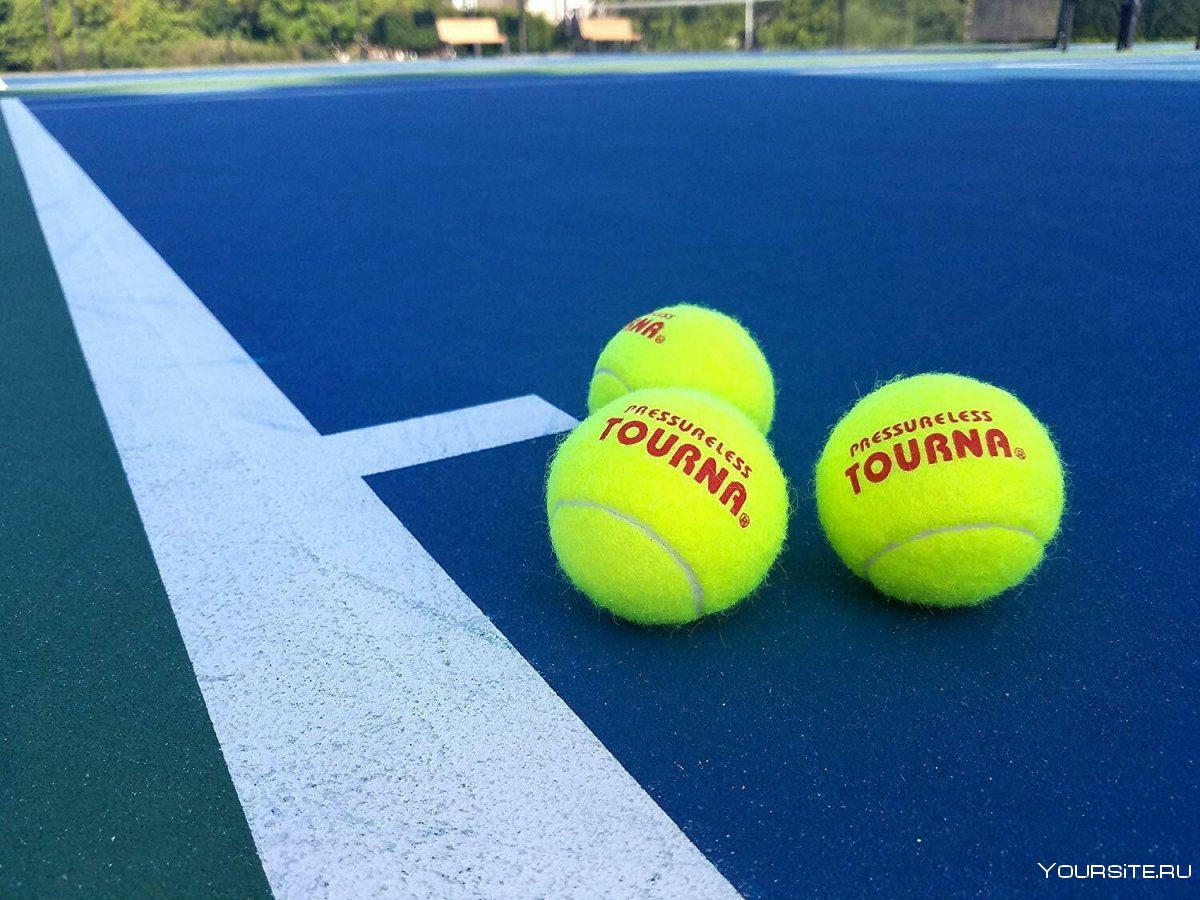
(608, 30)
(471, 33)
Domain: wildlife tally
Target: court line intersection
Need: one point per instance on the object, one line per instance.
(381, 733)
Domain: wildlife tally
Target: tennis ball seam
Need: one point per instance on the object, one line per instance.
(693, 581)
(934, 532)
(601, 370)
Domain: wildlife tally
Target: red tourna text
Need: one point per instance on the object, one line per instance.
(919, 423)
(695, 432)
(935, 448)
(650, 326)
(707, 471)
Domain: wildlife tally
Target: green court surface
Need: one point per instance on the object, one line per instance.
(112, 779)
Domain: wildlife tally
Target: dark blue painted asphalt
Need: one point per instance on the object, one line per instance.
(400, 252)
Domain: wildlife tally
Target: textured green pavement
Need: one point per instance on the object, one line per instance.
(112, 783)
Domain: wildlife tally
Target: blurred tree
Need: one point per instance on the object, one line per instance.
(541, 35)
(51, 37)
(33, 33)
(800, 24)
(403, 29)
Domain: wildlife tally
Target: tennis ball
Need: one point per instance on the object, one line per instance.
(666, 505)
(940, 490)
(687, 346)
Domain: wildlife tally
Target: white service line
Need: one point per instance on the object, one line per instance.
(382, 448)
(384, 738)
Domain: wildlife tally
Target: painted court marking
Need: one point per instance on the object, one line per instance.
(384, 738)
(396, 445)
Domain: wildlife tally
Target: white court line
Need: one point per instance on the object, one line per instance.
(383, 737)
(382, 448)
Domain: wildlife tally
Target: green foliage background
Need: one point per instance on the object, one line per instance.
(131, 33)
(135, 33)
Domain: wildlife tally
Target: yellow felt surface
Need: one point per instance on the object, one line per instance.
(655, 588)
(953, 532)
(956, 568)
(693, 347)
(597, 486)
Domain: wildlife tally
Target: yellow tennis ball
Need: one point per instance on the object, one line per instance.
(687, 346)
(666, 505)
(940, 490)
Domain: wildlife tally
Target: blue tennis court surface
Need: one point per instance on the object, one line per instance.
(402, 249)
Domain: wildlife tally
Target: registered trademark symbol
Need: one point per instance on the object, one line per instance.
(744, 521)
(660, 339)
(1020, 453)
